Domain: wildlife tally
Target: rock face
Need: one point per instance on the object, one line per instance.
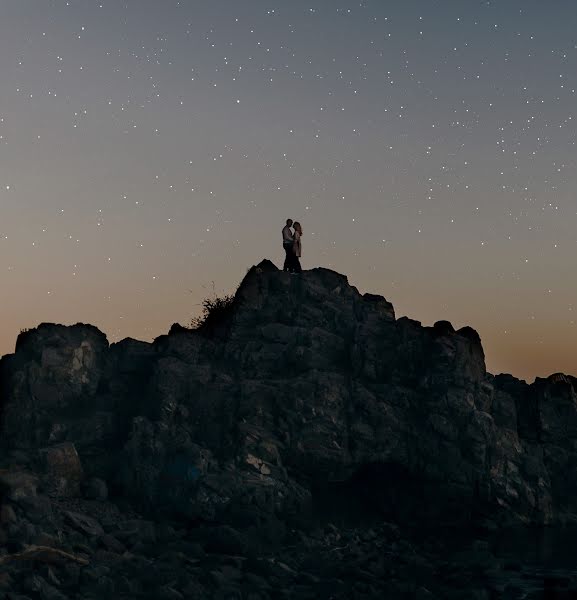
(125, 462)
(306, 383)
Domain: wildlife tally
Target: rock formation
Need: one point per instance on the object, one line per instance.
(305, 392)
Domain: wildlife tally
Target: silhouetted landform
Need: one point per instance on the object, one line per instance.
(299, 446)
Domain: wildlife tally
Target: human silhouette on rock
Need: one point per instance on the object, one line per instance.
(287, 244)
(291, 242)
(297, 249)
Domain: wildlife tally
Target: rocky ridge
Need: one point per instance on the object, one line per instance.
(284, 451)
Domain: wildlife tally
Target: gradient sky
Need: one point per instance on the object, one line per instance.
(151, 150)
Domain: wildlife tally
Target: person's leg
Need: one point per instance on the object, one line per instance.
(297, 265)
(290, 259)
(287, 260)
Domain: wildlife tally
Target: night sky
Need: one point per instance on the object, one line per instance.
(150, 152)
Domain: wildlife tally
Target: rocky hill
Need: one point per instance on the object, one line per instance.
(281, 451)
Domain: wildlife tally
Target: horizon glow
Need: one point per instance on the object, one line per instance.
(150, 153)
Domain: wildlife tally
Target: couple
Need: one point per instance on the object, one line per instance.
(291, 242)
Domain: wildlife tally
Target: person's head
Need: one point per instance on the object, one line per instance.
(297, 227)
(289, 222)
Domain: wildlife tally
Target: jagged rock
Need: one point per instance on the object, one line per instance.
(304, 380)
(63, 469)
(84, 523)
(55, 370)
(305, 394)
(36, 508)
(16, 485)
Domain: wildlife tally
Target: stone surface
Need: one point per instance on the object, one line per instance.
(307, 402)
(17, 484)
(63, 469)
(84, 523)
(96, 489)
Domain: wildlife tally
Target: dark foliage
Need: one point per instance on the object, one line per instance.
(214, 311)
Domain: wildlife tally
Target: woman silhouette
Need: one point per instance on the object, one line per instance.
(297, 247)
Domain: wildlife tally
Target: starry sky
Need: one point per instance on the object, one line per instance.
(151, 150)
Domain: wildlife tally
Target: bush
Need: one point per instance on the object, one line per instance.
(214, 311)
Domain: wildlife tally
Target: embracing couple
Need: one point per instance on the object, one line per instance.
(291, 242)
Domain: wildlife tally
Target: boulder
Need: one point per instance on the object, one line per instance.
(15, 485)
(88, 525)
(63, 469)
(55, 370)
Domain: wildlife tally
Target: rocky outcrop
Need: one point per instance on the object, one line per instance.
(305, 387)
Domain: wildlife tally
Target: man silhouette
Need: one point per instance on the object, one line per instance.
(287, 244)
